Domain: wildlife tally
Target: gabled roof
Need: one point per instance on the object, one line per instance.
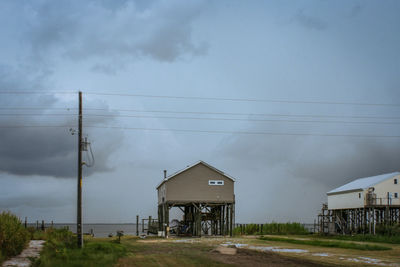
(191, 166)
(363, 183)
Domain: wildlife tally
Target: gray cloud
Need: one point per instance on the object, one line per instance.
(114, 32)
(322, 160)
(310, 22)
(355, 10)
(47, 151)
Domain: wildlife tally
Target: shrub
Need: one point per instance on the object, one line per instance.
(13, 236)
(61, 250)
(388, 230)
(272, 229)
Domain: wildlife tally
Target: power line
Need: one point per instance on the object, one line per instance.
(207, 98)
(250, 120)
(242, 114)
(205, 113)
(204, 131)
(36, 108)
(43, 92)
(209, 119)
(35, 114)
(243, 99)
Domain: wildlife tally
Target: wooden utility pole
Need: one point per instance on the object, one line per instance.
(137, 225)
(79, 203)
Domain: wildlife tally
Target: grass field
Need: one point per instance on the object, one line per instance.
(327, 243)
(365, 238)
(252, 251)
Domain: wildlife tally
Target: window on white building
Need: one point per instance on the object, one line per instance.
(396, 195)
(215, 182)
(359, 195)
(395, 181)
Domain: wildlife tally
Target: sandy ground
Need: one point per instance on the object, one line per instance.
(23, 259)
(298, 254)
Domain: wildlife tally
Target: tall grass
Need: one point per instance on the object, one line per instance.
(271, 229)
(13, 236)
(61, 250)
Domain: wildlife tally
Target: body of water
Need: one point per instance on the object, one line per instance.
(98, 229)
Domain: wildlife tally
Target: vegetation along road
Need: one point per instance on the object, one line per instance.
(60, 250)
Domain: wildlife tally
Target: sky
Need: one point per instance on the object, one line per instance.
(292, 98)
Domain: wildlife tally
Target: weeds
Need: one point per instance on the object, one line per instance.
(13, 236)
(61, 250)
(271, 229)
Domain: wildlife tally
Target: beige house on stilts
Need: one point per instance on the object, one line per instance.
(358, 206)
(204, 194)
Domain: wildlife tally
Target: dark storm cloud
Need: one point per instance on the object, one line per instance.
(119, 31)
(46, 151)
(309, 21)
(329, 161)
(356, 9)
(34, 201)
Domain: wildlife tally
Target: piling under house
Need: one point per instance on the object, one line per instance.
(358, 206)
(204, 194)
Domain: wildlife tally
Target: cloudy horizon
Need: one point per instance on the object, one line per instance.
(292, 99)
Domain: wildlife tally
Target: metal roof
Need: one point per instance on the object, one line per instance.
(190, 166)
(363, 183)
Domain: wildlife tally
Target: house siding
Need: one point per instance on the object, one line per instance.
(386, 186)
(351, 200)
(346, 200)
(192, 185)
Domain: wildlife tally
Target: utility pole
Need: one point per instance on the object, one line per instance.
(79, 203)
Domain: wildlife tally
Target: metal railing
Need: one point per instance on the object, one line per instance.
(383, 201)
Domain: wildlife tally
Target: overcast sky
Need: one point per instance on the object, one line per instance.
(297, 52)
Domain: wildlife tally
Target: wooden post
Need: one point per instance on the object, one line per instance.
(52, 224)
(137, 225)
(231, 220)
(166, 220)
(148, 225)
(42, 225)
(142, 225)
(222, 220)
(26, 222)
(37, 225)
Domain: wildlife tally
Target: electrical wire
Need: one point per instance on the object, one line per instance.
(242, 99)
(91, 161)
(240, 114)
(207, 98)
(199, 113)
(204, 131)
(208, 118)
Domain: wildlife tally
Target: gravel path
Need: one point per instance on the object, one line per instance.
(22, 260)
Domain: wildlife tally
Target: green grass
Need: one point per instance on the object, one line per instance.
(324, 243)
(61, 250)
(167, 254)
(365, 238)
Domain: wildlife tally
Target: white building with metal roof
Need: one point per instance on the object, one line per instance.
(380, 190)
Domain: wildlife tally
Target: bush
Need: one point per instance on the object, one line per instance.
(388, 230)
(61, 250)
(271, 229)
(13, 236)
